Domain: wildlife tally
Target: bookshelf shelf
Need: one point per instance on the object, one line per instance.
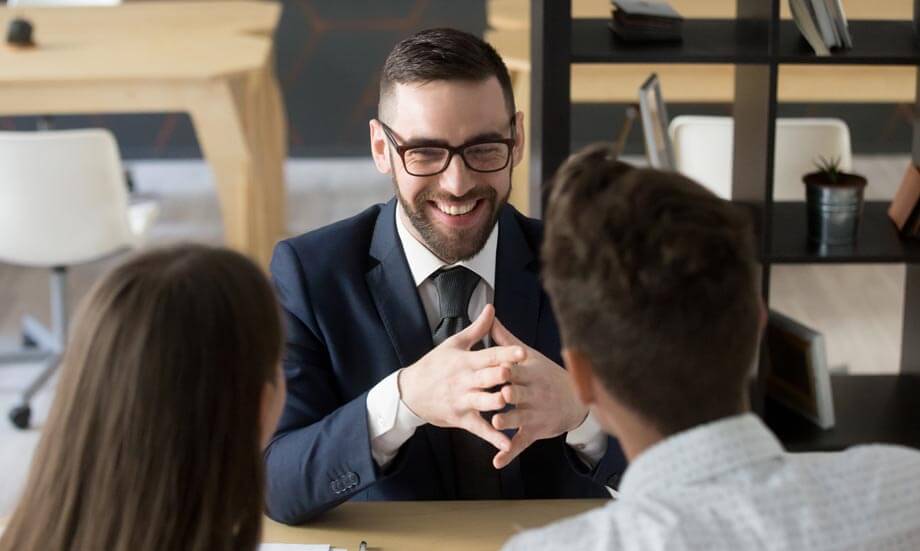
(874, 43)
(878, 241)
(757, 42)
(704, 41)
(868, 408)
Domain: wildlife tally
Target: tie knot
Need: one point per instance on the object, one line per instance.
(455, 287)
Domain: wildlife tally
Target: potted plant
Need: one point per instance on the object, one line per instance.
(835, 203)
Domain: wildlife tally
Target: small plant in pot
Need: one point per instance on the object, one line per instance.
(835, 203)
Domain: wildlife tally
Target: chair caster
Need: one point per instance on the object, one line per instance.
(20, 415)
(28, 342)
(129, 181)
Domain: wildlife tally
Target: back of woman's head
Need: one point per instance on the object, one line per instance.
(153, 441)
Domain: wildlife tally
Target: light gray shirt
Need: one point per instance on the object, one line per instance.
(730, 485)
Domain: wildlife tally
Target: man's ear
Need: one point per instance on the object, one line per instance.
(379, 147)
(581, 374)
(519, 138)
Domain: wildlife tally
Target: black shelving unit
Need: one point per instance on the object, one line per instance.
(884, 408)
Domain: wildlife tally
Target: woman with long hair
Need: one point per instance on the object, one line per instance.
(170, 388)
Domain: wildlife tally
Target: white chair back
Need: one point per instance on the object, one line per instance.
(62, 197)
(703, 151)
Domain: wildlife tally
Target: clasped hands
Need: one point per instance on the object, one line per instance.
(451, 385)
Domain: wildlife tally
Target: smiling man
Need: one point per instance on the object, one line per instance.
(392, 393)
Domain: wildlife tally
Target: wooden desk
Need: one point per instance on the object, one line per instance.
(212, 60)
(427, 525)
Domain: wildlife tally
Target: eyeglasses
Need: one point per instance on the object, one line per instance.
(486, 155)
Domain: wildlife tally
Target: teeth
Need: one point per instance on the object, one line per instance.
(456, 210)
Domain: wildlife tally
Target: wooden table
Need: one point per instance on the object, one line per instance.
(213, 60)
(427, 525)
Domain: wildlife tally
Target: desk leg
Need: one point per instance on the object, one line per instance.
(240, 124)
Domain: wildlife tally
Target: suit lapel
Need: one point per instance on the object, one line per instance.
(394, 293)
(517, 284)
(400, 307)
(517, 306)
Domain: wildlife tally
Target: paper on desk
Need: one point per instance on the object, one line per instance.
(296, 547)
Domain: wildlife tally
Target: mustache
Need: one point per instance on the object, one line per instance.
(484, 192)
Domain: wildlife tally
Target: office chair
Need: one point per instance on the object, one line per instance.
(62, 202)
(703, 151)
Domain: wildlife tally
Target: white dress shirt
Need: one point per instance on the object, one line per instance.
(390, 422)
(730, 485)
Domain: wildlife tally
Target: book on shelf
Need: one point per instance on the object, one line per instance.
(904, 210)
(822, 23)
(645, 21)
(798, 377)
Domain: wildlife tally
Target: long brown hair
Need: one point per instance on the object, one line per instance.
(153, 440)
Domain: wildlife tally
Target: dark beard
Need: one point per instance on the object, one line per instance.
(463, 244)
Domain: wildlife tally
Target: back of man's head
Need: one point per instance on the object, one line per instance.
(441, 54)
(653, 280)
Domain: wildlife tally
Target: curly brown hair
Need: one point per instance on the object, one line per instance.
(653, 279)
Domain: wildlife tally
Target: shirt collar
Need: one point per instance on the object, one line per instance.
(423, 262)
(701, 453)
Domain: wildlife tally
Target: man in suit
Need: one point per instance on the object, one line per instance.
(391, 395)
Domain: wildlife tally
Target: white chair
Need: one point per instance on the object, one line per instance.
(62, 202)
(703, 151)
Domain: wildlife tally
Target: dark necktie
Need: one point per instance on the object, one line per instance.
(475, 476)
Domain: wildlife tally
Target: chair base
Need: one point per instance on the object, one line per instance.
(40, 344)
(36, 339)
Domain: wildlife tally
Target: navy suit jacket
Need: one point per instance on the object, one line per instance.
(354, 316)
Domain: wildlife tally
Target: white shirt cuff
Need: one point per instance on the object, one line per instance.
(588, 440)
(390, 422)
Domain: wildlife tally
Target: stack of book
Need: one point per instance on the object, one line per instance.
(823, 24)
(645, 21)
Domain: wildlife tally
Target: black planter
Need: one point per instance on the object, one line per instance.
(834, 210)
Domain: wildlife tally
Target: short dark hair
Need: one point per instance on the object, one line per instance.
(442, 54)
(653, 278)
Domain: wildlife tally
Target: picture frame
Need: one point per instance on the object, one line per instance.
(798, 376)
(654, 115)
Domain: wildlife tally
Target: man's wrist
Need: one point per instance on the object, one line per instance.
(403, 380)
(588, 440)
(579, 420)
(390, 421)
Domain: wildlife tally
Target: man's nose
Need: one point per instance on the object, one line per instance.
(456, 178)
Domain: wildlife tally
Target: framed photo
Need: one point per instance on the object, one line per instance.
(798, 376)
(658, 146)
